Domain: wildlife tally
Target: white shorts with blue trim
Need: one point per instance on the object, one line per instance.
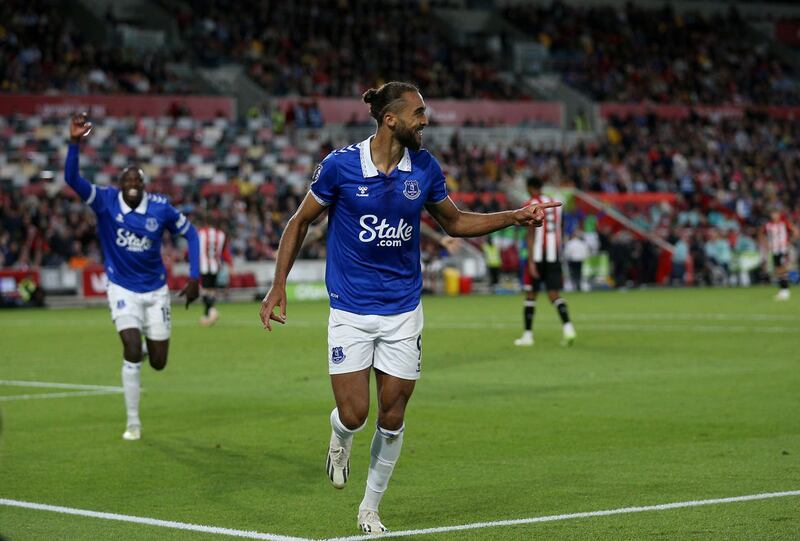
(149, 312)
(391, 344)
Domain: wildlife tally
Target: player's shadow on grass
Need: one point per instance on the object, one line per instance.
(252, 466)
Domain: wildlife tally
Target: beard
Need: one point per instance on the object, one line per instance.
(407, 137)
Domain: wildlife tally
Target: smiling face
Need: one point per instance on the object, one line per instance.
(408, 121)
(132, 186)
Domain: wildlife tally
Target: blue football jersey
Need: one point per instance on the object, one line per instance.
(373, 263)
(131, 238)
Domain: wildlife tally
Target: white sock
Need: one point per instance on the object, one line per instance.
(527, 334)
(343, 434)
(568, 327)
(131, 385)
(386, 446)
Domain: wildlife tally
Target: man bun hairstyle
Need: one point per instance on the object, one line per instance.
(386, 98)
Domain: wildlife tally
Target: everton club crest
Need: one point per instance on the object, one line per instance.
(411, 189)
(151, 225)
(337, 355)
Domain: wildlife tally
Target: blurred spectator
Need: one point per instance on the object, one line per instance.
(576, 251)
(680, 258)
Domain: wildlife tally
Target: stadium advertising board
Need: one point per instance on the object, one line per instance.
(202, 107)
(94, 281)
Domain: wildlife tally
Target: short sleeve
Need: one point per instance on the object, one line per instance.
(176, 221)
(438, 187)
(324, 181)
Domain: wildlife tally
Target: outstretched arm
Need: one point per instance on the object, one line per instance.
(78, 129)
(458, 223)
(291, 241)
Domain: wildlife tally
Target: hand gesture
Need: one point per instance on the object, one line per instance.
(533, 215)
(276, 296)
(450, 244)
(191, 291)
(79, 127)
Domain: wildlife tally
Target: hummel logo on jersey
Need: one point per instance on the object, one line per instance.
(132, 242)
(389, 235)
(362, 191)
(120, 218)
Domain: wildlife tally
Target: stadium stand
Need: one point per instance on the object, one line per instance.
(635, 53)
(335, 48)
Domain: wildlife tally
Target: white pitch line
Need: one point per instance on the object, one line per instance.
(403, 533)
(80, 390)
(554, 518)
(150, 521)
(54, 385)
(68, 394)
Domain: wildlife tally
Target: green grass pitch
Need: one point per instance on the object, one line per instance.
(667, 396)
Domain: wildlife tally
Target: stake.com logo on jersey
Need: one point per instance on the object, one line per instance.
(388, 235)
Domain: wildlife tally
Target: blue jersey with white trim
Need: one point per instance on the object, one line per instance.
(131, 238)
(373, 263)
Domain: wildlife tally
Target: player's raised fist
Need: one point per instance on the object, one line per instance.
(79, 127)
(533, 215)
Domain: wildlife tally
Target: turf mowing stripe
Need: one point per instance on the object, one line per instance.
(554, 518)
(53, 385)
(151, 521)
(55, 395)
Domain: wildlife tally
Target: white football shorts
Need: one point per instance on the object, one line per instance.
(149, 312)
(392, 344)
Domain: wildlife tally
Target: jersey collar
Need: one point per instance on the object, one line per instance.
(368, 168)
(123, 206)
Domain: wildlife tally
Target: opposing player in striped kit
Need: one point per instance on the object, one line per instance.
(776, 238)
(544, 267)
(213, 251)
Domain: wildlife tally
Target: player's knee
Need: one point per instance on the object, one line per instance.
(158, 361)
(391, 418)
(133, 352)
(353, 417)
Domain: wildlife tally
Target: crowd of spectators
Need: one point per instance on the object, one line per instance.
(42, 51)
(340, 47)
(727, 174)
(635, 53)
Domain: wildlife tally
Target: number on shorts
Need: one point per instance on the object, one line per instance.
(165, 313)
(419, 348)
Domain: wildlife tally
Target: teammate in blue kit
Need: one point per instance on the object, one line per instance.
(375, 192)
(130, 223)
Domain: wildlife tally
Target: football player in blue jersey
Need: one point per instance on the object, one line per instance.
(375, 192)
(130, 224)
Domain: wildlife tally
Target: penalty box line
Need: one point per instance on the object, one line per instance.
(555, 518)
(404, 533)
(150, 521)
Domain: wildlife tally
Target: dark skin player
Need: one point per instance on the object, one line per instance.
(131, 183)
